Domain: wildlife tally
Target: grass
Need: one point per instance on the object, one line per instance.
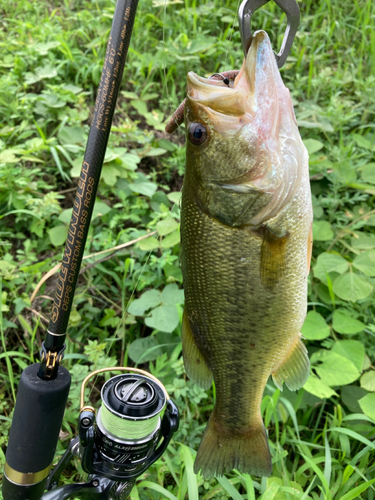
(322, 438)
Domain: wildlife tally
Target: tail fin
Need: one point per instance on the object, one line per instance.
(220, 452)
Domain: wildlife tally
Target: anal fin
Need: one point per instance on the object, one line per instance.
(294, 370)
(195, 366)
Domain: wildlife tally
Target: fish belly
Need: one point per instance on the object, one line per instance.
(243, 325)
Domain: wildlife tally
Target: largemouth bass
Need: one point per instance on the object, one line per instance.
(246, 242)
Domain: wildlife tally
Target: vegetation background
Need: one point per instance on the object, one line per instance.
(129, 302)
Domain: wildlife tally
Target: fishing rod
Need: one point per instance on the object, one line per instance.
(137, 418)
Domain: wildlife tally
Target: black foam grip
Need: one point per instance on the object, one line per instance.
(37, 420)
(13, 491)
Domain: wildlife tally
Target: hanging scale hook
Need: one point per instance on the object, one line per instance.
(291, 9)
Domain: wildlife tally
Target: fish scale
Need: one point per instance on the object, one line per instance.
(246, 220)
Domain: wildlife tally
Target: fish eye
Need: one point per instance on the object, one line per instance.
(197, 133)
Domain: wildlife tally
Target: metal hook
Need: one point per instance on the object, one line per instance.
(224, 78)
(291, 9)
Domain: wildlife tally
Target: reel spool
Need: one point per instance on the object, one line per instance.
(125, 438)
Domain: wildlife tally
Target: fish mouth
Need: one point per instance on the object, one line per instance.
(259, 72)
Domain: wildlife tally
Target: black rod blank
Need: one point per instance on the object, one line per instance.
(117, 49)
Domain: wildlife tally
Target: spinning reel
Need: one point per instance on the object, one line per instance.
(130, 432)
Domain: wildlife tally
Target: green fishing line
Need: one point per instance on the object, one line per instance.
(126, 428)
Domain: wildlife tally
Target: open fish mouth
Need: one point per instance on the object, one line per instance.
(255, 94)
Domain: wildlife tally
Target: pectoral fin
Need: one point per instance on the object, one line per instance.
(294, 371)
(272, 264)
(195, 366)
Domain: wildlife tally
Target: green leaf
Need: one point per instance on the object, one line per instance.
(294, 488)
(174, 196)
(171, 240)
(154, 151)
(156, 487)
(66, 215)
(345, 172)
(100, 209)
(21, 211)
(164, 318)
(146, 301)
(351, 286)
(172, 272)
(201, 43)
(366, 363)
(350, 395)
(190, 476)
(328, 263)
(363, 142)
(229, 488)
(140, 106)
(356, 492)
(315, 327)
(168, 145)
(343, 323)
(368, 381)
(73, 88)
(43, 48)
(25, 325)
(334, 369)
(365, 262)
(47, 71)
(75, 171)
(130, 161)
(58, 235)
(318, 388)
(72, 135)
(145, 188)
(20, 304)
(367, 405)
(271, 492)
(368, 173)
(167, 226)
(172, 295)
(313, 146)
(109, 173)
(148, 244)
(312, 462)
(146, 349)
(353, 434)
(129, 95)
(322, 231)
(8, 156)
(52, 101)
(363, 241)
(352, 350)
